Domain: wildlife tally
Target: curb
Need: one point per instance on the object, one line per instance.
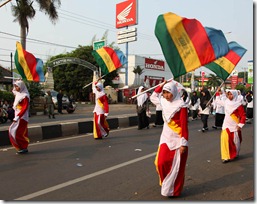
(67, 129)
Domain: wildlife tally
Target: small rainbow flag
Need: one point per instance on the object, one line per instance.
(224, 66)
(29, 67)
(186, 44)
(109, 59)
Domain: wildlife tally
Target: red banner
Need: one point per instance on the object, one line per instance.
(126, 13)
(153, 80)
(234, 81)
(154, 64)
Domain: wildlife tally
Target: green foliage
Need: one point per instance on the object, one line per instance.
(71, 78)
(242, 88)
(214, 81)
(7, 96)
(35, 89)
(138, 70)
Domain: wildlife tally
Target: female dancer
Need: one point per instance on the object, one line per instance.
(231, 135)
(18, 130)
(172, 153)
(101, 111)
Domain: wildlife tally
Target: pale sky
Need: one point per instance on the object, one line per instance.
(80, 20)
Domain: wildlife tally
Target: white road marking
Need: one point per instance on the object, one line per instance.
(83, 178)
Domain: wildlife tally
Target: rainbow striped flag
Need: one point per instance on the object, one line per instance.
(224, 66)
(109, 59)
(29, 67)
(186, 44)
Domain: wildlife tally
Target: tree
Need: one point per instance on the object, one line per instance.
(138, 71)
(24, 11)
(214, 81)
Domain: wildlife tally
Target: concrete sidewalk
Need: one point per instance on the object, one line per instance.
(63, 128)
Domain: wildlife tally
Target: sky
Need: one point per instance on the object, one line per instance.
(81, 20)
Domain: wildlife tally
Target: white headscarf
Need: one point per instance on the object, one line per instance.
(142, 98)
(169, 108)
(232, 105)
(19, 96)
(100, 93)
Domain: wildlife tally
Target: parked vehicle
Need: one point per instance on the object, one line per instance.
(65, 99)
(71, 107)
(68, 105)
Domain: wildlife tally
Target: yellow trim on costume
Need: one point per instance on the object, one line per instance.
(174, 126)
(100, 103)
(235, 118)
(224, 145)
(156, 165)
(18, 106)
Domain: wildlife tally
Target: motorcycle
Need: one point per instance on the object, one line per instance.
(3, 115)
(71, 107)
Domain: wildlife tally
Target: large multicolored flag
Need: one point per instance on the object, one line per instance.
(29, 67)
(224, 66)
(109, 59)
(186, 44)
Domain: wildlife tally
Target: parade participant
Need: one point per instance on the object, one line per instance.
(101, 111)
(249, 106)
(50, 105)
(194, 105)
(142, 107)
(172, 152)
(59, 101)
(158, 113)
(231, 135)
(219, 108)
(18, 130)
(204, 108)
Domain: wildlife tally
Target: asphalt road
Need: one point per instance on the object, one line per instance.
(83, 112)
(121, 168)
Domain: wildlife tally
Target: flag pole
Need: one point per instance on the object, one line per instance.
(12, 78)
(149, 89)
(92, 82)
(214, 93)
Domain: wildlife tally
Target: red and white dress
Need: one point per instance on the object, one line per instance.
(170, 163)
(18, 130)
(101, 111)
(231, 137)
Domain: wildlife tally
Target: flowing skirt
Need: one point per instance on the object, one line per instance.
(18, 134)
(170, 166)
(230, 143)
(101, 126)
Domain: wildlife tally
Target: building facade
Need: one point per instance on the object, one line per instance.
(154, 72)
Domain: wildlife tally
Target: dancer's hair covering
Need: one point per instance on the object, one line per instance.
(19, 96)
(173, 106)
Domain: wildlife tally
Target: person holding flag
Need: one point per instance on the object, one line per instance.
(101, 111)
(18, 130)
(172, 152)
(231, 134)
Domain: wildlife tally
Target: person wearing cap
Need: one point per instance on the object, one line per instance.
(101, 111)
(231, 134)
(172, 152)
(18, 130)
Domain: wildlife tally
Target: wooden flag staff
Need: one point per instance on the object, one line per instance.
(150, 89)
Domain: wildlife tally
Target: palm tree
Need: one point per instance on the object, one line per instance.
(138, 71)
(214, 81)
(24, 11)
